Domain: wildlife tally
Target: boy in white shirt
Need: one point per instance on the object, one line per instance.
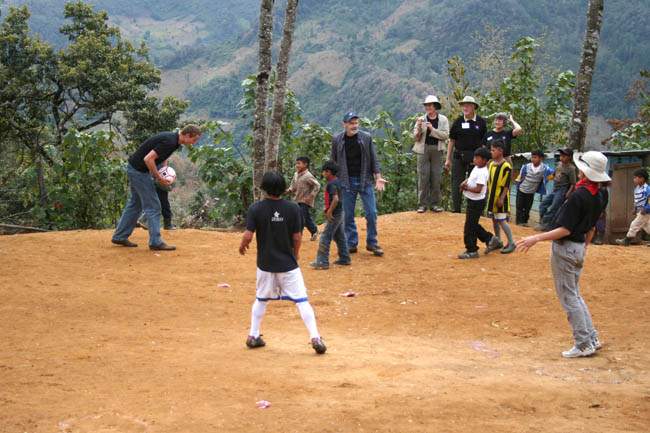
(474, 188)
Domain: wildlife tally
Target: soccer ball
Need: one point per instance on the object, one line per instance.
(167, 173)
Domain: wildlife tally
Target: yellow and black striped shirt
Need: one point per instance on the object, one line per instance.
(499, 179)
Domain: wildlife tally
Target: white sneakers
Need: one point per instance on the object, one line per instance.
(575, 352)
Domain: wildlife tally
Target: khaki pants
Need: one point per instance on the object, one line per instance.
(640, 222)
(429, 175)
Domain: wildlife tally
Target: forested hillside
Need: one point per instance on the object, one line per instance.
(373, 55)
(387, 54)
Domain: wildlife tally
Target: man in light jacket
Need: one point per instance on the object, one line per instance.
(430, 133)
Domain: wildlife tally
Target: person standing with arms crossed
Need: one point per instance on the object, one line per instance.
(355, 155)
(430, 133)
(143, 164)
(465, 137)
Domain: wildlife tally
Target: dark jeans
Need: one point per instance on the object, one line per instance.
(524, 204)
(460, 171)
(333, 230)
(473, 229)
(551, 204)
(165, 207)
(143, 196)
(307, 219)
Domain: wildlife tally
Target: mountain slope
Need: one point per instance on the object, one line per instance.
(388, 54)
(370, 56)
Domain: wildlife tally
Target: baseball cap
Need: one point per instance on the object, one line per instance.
(349, 116)
(566, 150)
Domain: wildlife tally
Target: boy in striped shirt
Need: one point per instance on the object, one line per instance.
(641, 207)
(498, 204)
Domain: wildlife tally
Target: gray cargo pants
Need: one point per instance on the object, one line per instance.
(567, 259)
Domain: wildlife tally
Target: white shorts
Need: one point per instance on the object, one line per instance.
(274, 286)
(498, 216)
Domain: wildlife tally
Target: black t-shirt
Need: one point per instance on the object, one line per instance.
(505, 135)
(274, 222)
(353, 155)
(580, 213)
(430, 140)
(468, 136)
(164, 144)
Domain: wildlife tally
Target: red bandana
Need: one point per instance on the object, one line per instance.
(591, 186)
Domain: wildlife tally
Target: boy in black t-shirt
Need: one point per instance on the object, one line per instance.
(277, 224)
(334, 228)
(571, 234)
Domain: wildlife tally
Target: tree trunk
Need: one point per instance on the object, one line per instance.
(262, 95)
(280, 90)
(578, 129)
(42, 194)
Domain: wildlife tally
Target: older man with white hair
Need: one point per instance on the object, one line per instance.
(465, 137)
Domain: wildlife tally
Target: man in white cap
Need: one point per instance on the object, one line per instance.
(430, 133)
(465, 137)
(572, 230)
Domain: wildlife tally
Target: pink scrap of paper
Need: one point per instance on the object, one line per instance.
(477, 345)
(223, 285)
(348, 294)
(263, 404)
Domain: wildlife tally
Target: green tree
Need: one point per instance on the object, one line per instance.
(99, 73)
(634, 134)
(543, 114)
(89, 185)
(49, 98)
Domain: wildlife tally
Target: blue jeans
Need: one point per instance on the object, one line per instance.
(307, 219)
(551, 204)
(369, 210)
(333, 230)
(143, 196)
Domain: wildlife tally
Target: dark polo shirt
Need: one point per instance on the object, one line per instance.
(164, 144)
(468, 135)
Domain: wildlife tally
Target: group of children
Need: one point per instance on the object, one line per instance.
(489, 183)
(305, 187)
(278, 226)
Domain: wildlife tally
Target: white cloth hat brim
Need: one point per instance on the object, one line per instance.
(592, 174)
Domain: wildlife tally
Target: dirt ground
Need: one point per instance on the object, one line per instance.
(100, 338)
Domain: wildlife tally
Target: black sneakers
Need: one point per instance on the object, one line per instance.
(162, 247)
(493, 244)
(124, 243)
(468, 255)
(318, 345)
(376, 250)
(253, 342)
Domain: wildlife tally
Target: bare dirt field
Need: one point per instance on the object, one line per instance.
(100, 338)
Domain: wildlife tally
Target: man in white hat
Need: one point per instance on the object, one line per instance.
(465, 137)
(430, 133)
(573, 229)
